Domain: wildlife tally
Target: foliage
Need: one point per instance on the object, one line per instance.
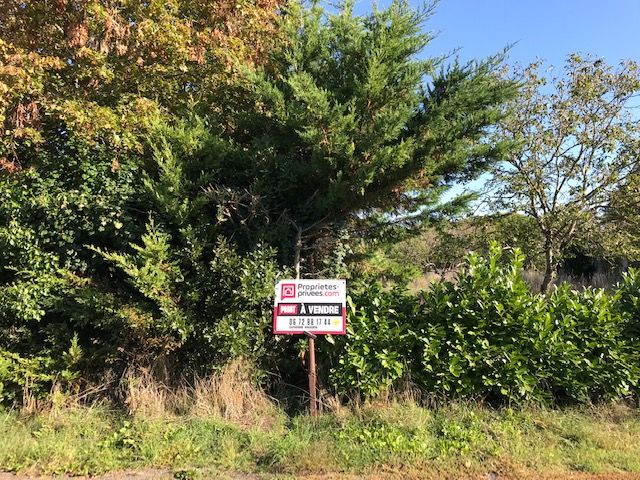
(35, 376)
(17, 372)
(157, 158)
(470, 338)
(353, 129)
(214, 311)
(587, 353)
(374, 356)
(382, 264)
(512, 230)
(441, 247)
(103, 163)
(420, 441)
(629, 305)
(486, 335)
(238, 292)
(621, 222)
(155, 276)
(101, 71)
(49, 214)
(81, 256)
(576, 145)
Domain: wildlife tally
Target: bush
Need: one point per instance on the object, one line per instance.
(472, 335)
(587, 356)
(129, 253)
(373, 355)
(35, 375)
(487, 335)
(16, 373)
(628, 305)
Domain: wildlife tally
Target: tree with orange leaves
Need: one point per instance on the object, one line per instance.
(102, 70)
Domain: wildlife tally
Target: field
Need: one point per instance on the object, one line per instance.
(394, 439)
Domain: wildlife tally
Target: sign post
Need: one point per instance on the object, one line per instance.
(310, 307)
(313, 396)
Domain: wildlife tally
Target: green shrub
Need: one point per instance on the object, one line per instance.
(129, 252)
(486, 335)
(477, 336)
(587, 354)
(17, 372)
(628, 305)
(376, 349)
(35, 374)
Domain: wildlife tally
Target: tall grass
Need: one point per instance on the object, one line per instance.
(204, 427)
(393, 435)
(606, 280)
(229, 394)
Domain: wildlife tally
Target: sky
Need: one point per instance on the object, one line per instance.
(540, 29)
(537, 29)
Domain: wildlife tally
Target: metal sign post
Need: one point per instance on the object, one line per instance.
(311, 308)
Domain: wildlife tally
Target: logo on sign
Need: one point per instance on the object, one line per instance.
(288, 290)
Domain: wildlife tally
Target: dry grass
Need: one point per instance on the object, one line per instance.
(147, 396)
(60, 399)
(534, 279)
(230, 394)
(30, 403)
(424, 281)
(606, 280)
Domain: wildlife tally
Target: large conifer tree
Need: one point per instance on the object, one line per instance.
(356, 124)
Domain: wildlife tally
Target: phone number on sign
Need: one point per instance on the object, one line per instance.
(310, 322)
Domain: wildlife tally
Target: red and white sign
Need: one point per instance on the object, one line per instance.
(315, 306)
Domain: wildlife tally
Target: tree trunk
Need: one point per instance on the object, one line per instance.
(550, 272)
(297, 251)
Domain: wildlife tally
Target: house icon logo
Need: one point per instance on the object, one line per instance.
(288, 290)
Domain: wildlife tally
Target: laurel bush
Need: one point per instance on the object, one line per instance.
(487, 336)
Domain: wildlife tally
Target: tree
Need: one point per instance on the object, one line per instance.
(621, 222)
(442, 247)
(104, 71)
(354, 129)
(160, 157)
(94, 154)
(576, 143)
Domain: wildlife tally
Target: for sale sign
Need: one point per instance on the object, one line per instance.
(316, 306)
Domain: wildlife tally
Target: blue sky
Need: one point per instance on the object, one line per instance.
(539, 29)
(544, 29)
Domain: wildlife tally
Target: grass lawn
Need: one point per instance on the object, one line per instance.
(399, 440)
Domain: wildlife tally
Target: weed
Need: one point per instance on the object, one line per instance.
(187, 474)
(90, 441)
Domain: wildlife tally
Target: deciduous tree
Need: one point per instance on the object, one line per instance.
(103, 71)
(577, 142)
